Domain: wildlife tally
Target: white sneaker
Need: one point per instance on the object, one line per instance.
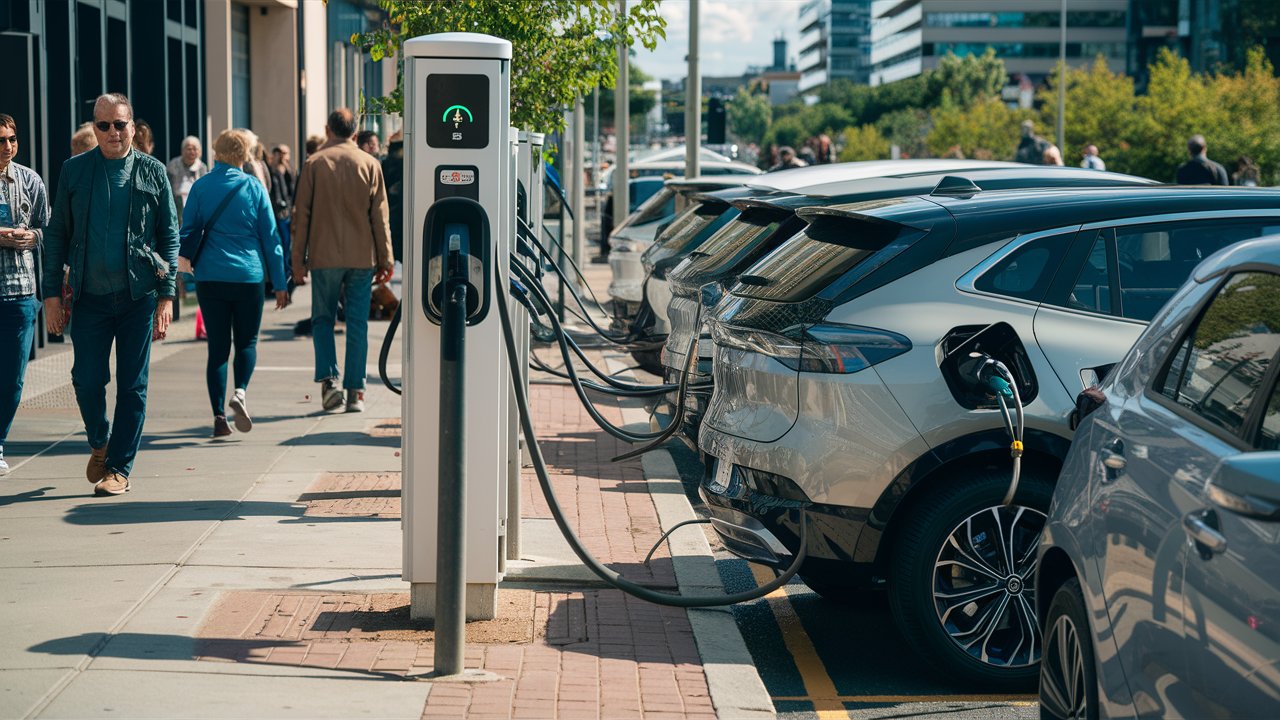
(244, 423)
(355, 401)
(4, 466)
(330, 394)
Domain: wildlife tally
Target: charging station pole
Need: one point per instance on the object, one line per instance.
(457, 155)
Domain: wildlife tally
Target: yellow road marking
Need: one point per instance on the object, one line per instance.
(817, 681)
(1015, 700)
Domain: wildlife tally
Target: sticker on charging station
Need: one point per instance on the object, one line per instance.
(457, 177)
(457, 111)
(457, 181)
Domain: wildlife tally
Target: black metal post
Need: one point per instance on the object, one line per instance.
(451, 584)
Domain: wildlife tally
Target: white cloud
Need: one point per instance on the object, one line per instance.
(734, 35)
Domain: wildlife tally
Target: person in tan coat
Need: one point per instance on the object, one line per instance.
(341, 236)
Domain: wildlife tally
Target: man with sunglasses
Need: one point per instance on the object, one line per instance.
(24, 210)
(115, 226)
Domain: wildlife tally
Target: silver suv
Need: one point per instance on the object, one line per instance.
(839, 390)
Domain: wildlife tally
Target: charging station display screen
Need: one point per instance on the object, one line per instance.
(457, 111)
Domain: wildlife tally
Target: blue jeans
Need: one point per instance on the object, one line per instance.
(17, 321)
(98, 321)
(232, 312)
(356, 287)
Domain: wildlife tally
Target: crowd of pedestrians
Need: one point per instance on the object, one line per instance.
(122, 230)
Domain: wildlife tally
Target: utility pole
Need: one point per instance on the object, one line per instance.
(578, 194)
(1062, 78)
(622, 125)
(693, 100)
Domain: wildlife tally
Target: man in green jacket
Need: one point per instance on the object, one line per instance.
(115, 227)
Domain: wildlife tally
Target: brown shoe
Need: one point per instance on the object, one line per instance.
(97, 468)
(112, 484)
(220, 427)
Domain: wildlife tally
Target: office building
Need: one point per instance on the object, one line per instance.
(910, 36)
(835, 42)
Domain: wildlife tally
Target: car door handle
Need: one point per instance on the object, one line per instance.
(1207, 538)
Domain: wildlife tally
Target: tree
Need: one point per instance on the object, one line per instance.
(561, 49)
(863, 142)
(749, 115)
(1251, 123)
(906, 128)
(986, 130)
(639, 100)
(1177, 105)
(1101, 109)
(965, 80)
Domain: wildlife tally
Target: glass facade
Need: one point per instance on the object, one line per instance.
(1028, 50)
(1112, 19)
(61, 54)
(241, 96)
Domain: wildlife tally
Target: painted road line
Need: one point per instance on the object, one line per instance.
(1012, 700)
(820, 688)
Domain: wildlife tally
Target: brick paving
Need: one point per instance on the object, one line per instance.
(375, 495)
(591, 655)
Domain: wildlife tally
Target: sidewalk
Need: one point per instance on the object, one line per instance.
(260, 576)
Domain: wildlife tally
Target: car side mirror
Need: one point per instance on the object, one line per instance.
(1089, 399)
(1248, 485)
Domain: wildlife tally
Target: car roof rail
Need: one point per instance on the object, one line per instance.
(954, 186)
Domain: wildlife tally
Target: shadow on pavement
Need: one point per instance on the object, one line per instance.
(352, 438)
(126, 512)
(144, 646)
(34, 496)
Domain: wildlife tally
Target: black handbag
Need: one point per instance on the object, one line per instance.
(208, 225)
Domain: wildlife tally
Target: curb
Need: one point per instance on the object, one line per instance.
(737, 691)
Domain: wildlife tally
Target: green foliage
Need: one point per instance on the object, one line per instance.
(749, 115)
(788, 131)
(986, 130)
(964, 80)
(561, 49)
(863, 142)
(906, 128)
(639, 100)
(1239, 114)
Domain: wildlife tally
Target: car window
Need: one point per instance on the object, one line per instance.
(1153, 261)
(1092, 289)
(651, 202)
(1217, 369)
(1026, 272)
(1269, 431)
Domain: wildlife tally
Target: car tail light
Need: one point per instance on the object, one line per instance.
(822, 348)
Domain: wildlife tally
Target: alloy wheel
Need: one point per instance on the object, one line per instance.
(1062, 672)
(984, 585)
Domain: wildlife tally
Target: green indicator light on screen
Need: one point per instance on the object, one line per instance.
(457, 117)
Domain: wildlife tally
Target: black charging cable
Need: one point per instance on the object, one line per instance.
(557, 513)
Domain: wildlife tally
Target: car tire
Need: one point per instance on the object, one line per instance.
(649, 360)
(962, 609)
(1068, 672)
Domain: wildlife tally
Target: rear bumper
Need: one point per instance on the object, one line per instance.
(761, 526)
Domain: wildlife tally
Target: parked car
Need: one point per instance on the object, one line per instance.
(838, 388)
(651, 173)
(1159, 582)
(769, 221)
(631, 308)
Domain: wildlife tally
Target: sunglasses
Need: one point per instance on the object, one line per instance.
(11, 140)
(104, 126)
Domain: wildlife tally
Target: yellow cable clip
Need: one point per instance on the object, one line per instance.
(1015, 448)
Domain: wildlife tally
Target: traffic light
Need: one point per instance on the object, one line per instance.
(715, 121)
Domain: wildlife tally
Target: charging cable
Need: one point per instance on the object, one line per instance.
(604, 573)
(1001, 383)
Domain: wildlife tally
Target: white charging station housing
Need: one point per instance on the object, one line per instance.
(457, 109)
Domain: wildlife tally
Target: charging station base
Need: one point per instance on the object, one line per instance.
(482, 601)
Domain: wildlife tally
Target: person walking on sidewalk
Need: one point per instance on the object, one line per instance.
(115, 226)
(1200, 170)
(229, 240)
(340, 234)
(185, 170)
(24, 211)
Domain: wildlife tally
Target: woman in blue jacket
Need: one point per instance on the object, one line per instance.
(229, 239)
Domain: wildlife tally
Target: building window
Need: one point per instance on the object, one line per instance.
(1028, 50)
(1114, 18)
(240, 91)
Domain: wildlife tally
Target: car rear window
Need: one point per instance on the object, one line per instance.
(831, 250)
(652, 202)
(694, 224)
(730, 246)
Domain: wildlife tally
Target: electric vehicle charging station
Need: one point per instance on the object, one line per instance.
(457, 204)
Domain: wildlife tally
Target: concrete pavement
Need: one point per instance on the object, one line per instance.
(260, 576)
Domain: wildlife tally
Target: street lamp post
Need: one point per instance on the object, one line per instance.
(1062, 77)
(693, 99)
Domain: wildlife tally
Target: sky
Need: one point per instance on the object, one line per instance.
(735, 34)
